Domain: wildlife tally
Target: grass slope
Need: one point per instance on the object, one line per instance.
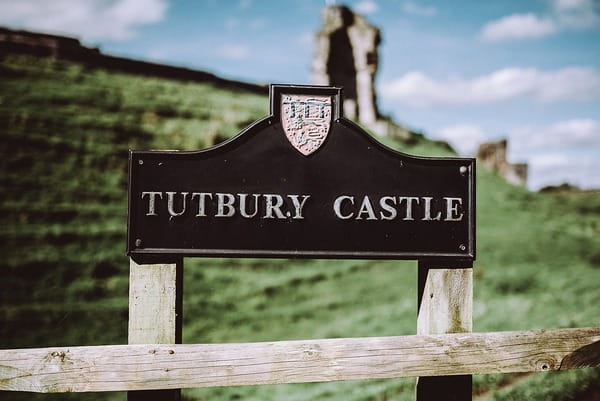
(65, 130)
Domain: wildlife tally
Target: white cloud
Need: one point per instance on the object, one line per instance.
(567, 84)
(366, 7)
(305, 39)
(232, 23)
(563, 14)
(257, 24)
(566, 151)
(413, 8)
(234, 51)
(549, 160)
(244, 4)
(464, 138)
(518, 26)
(90, 20)
(558, 168)
(576, 14)
(575, 83)
(581, 133)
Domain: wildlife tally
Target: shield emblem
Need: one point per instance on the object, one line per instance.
(306, 120)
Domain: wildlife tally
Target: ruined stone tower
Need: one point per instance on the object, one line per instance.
(346, 56)
(493, 155)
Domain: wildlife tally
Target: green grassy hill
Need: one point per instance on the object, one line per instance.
(65, 130)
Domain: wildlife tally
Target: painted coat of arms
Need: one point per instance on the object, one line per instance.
(306, 120)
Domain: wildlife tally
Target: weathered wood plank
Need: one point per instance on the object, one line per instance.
(155, 313)
(147, 367)
(445, 300)
(445, 306)
(154, 303)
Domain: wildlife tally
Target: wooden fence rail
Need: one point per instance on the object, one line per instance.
(148, 367)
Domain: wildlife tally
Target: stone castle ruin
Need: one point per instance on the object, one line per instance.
(347, 56)
(493, 155)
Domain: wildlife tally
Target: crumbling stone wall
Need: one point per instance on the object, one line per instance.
(346, 55)
(493, 155)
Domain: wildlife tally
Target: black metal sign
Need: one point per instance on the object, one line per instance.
(302, 182)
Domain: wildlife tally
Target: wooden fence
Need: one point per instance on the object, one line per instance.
(151, 367)
(155, 318)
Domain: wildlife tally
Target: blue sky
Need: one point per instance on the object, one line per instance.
(463, 70)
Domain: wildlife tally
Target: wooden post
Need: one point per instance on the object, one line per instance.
(445, 302)
(155, 313)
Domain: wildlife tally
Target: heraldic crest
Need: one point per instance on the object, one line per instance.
(306, 120)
